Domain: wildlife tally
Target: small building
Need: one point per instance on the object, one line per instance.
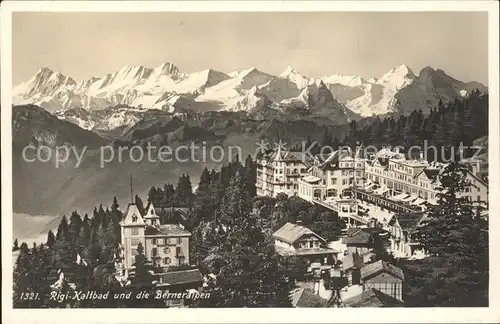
(301, 297)
(372, 298)
(402, 228)
(362, 240)
(180, 284)
(384, 277)
(296, 240)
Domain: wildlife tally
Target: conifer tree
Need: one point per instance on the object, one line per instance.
(74, 228)
(139, 204)
(62, 230)
(51, 239)
(15, 246)
(251, 176)
(457, 231)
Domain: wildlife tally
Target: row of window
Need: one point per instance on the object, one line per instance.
(166, 250)
(160, 241)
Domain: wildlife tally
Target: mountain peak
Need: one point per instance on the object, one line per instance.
(166, 68)
(44, 71)
(288, 71)
(401, 70)
(248, 71)
(399, 77)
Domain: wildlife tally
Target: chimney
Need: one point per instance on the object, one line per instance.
(478, 166)
(421, 155)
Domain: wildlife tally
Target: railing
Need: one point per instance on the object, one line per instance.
(388, 201)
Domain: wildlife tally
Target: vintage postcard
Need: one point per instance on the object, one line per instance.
(228, 162)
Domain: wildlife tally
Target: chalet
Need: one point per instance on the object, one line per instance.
(402, 229)
(296, 240)
(362, 240)
(383, 277)
(372, 298)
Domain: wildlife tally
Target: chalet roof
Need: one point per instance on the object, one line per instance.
(361, 235)
(334, 158)
(409, 221)
(381, 266)
(372, 298)
(431, 173)
(383, 161)
(292, 232)
(168, 230)
(132, 216)
(181, 277)
(304, 251)
(301, 297)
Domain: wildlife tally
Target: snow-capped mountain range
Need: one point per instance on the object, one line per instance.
(166, 88)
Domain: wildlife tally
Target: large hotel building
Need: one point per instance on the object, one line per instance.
(387, 178)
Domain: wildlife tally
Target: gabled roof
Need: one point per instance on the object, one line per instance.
(383, 161)
(290, 156)
(301, 297)
(372, 298)
(292, 232)
(151, 212)
(431, 174)
(381, 266)
(409, 221)
(361, 235)
(132, 216)
(181, 277)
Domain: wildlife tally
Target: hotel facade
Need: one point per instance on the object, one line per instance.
(279, 172)
(166, 245)
(387, 178)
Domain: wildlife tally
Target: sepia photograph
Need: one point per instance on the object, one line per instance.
(249, 159)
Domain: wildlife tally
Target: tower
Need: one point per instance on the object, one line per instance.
(132, 233)
(151, 218)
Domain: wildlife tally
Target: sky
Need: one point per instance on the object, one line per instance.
(367, 44)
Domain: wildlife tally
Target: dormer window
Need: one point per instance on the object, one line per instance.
(152, 211)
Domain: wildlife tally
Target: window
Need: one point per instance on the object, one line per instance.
(154, 241)
(154, 252)
(135, 231)
(152, 211)
(134, 218)
(166, 250)
(160, 241)
(179, 240)
(177, 251)
(166, 261)
(134, 242)
(171, 241)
